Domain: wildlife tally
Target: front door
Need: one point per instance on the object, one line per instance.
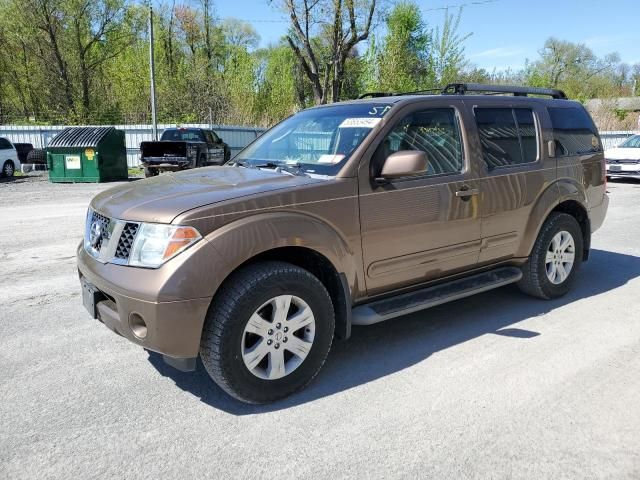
(416, 229)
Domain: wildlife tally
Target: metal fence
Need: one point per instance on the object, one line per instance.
(237, 137)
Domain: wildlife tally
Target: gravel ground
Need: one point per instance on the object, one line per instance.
(495, 386)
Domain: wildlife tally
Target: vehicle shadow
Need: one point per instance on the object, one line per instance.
(388, 347)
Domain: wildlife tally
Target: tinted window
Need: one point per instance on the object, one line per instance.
(573, 131)
(183, 135)
(508, 136)
(4, 144)
(435, 132)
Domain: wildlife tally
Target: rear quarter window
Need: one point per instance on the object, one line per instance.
(5, 144)
(574, 133)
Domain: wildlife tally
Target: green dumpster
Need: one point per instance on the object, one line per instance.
(87, 154)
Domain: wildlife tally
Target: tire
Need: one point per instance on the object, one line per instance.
(202, 162)
(226, 345)
(8, 169)
(150, 172)
(539, 270)
(227, 155)
(37, 156)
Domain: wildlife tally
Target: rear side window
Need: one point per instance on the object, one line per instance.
(5, 144)
(508, 136)
(573, 132)
(435, 131)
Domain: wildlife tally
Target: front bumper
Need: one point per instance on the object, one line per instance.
(173, 327)
(623, 169)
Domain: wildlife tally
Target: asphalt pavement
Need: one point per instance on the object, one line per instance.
(499, 385)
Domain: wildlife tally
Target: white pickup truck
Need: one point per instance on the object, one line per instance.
(8, 158)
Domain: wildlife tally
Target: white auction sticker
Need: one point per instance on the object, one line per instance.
(328, 158)
(368, 122)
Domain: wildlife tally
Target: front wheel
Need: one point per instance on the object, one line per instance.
(555, 258)
(268, 332)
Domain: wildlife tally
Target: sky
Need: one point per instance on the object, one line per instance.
(504, 32)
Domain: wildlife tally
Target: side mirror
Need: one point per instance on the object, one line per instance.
(405, 163)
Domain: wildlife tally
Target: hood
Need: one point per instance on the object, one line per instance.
(160, 199)
(621, 153)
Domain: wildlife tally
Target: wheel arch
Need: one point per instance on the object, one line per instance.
(564, 196)
(299, 239)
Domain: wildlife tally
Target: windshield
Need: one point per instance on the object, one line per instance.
(633, 142)
(319, 140)
(183, 135)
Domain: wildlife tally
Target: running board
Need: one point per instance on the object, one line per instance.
(380, 310)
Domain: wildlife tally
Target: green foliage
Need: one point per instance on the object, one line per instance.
(87, 61)
(403, 60)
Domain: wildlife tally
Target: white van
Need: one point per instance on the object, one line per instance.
(8, 158)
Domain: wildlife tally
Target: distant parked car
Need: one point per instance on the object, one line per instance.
(23, 150)
(182, 148)
(624, 160)
(8, 158)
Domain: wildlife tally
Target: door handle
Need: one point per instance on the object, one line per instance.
(467, 192)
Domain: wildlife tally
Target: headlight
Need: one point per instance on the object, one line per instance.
(156, 243)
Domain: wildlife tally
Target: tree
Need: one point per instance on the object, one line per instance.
(240, 34)
(403, 60)
(321, 47)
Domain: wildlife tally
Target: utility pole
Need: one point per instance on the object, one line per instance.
(152, 72)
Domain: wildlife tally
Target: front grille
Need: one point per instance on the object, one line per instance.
(104, 223)
(125, 243)
(623, 162)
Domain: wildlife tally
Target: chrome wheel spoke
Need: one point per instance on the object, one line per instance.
(257, 325)
(298, 347)
(562, 273)
(300, 319)
(281, 307)
(549, 258)
(276, 367)
(255, 355)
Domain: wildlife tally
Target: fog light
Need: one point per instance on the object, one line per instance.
(137, 325)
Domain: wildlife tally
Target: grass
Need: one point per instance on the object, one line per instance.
(135, 172)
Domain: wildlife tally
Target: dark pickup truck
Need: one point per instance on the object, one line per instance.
(183, 148)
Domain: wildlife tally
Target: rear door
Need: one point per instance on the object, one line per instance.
(508, 145)
(416, 229)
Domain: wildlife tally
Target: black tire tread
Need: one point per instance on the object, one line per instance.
(220, 315)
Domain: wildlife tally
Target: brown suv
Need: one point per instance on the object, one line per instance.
(346, 214)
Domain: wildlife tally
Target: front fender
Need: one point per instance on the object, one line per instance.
(245, 238)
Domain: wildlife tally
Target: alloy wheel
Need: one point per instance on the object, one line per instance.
(278, 337)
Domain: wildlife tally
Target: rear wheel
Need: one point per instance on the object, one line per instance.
(268, 332)
(8, 169)
(555, 258)
(150, 172)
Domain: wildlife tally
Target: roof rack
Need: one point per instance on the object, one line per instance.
(463, 88)
(376, 95)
